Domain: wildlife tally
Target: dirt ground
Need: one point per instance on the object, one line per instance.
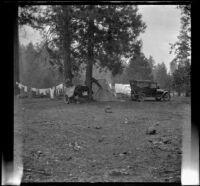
(83, 143)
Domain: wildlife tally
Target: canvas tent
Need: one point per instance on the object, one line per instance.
(123, 89)
(103, 94)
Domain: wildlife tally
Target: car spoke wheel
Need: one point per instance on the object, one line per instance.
(141, 97)
(133, 98)
(158, 98)
(166, 97)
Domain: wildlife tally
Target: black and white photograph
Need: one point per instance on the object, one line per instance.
(102, 93)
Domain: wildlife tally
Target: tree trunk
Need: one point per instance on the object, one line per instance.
(89, 75)
(112, 84)
(66, 50)
(66, 46)
(90, 50)
(16, 51)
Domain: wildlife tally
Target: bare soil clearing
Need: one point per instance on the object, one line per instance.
(83, 143)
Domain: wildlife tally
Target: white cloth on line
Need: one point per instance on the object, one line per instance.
(123, 88)
(34, 89)
(25, 88)
(48, 91)
(43, 91)
(60, 86)
(37, 92)
(52, 92)
(20, 85)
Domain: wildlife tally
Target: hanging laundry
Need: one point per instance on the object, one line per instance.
(25, 88)
(42, 91)
(37, 92)
(47, 91)
(34, 89)
(52, 92)
(60, 86)
(20, 85)
(59, 89)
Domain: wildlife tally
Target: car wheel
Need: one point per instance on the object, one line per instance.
(157, 99)
(133, 98)
(166, 97)
(141, 97)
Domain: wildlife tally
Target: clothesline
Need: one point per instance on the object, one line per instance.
(43, 91)
(21, 85)
(58, 89)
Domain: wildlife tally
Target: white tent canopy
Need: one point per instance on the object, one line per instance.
(123, 88)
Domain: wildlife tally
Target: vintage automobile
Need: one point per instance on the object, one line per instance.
(140, 89)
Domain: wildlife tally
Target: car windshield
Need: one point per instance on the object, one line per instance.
(142, 84)
(153, 85)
